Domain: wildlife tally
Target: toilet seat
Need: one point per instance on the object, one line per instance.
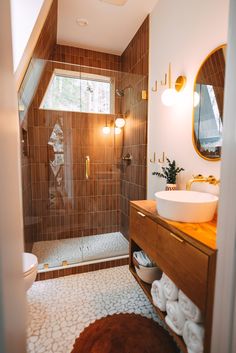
(30, 263)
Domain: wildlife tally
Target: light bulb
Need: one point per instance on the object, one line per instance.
(106, 130)
(169, 97)
(196, 99)
(117, 130)
(120, 122)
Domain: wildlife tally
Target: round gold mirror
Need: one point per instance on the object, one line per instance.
(208, 103)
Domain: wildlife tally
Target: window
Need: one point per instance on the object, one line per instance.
(79, 92)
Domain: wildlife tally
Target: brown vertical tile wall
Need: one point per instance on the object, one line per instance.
(133, 175)
(48, 36)
(85, 57)
(43, 50)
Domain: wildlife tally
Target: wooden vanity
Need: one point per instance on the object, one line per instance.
(185, 252)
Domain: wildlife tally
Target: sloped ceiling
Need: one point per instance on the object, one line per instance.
(110, 28)
(24, 16)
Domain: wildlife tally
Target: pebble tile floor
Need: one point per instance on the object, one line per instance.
(60, 309)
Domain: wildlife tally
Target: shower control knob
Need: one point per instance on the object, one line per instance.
(127, 157)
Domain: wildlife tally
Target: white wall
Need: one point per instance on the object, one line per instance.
(24, 16)
(182, 32)
(12, 296)
(224, 318)
(28, 51)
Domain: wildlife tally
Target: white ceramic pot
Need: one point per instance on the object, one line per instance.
(170, 187)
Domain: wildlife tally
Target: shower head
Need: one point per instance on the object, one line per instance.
(121, 92)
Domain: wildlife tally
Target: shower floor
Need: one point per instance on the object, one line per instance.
(76, 250)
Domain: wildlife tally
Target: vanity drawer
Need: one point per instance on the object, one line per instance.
(143, 231)
(186, 265)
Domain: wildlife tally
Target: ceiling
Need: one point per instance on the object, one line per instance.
(110, 28)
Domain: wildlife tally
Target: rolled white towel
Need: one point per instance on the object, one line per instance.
(172, 326)
(175, 317)
(190, 310)
(143, 259)
(193, 335)
(158, 297)
(169, 288)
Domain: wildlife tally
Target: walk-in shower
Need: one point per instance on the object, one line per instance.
(73, 190)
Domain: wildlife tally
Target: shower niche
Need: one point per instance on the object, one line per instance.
(73, 174)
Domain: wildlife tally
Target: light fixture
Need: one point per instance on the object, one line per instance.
(120, 122)
(170, 94)
(117, 130)
(82, 22)
(106, 130)
(196, 99)
(169, 97)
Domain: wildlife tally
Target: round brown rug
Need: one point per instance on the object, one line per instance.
(124, 333)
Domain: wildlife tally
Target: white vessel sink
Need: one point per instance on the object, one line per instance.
(186, 206)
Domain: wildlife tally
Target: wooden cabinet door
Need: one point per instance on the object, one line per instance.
(143, 232)
(186, 265)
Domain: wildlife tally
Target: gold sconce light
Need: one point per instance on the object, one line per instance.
(106, 129)
(119, 123)
(170, 94)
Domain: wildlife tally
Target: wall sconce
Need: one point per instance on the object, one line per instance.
(170, 95)
(118, 125)
(106, 130)
(120, 122)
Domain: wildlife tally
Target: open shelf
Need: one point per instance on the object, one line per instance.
(147, 290)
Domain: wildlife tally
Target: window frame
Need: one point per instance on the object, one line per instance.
(81, 75)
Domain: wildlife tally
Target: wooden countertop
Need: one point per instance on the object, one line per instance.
(200, 233)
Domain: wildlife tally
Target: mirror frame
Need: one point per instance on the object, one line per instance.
(194, 84)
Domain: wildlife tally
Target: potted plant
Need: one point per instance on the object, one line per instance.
(169, 173)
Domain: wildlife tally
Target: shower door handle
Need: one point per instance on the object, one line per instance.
(87, 167)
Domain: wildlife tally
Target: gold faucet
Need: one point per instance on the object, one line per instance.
(201, 179)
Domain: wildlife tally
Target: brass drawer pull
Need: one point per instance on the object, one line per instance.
(141, 214)
(177, 238)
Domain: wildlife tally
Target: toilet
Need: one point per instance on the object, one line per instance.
(30, 268)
